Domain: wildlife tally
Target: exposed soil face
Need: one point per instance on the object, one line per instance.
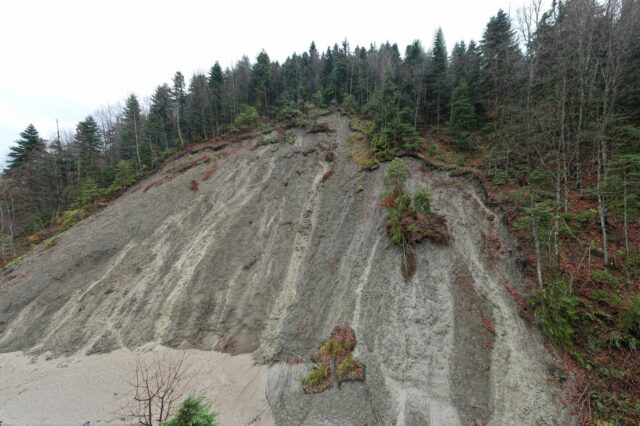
(276, 248)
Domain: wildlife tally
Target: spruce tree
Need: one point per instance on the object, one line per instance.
(462, 117)
(159, 125)
(29, 144)
(179, 98)
(438, 77)
(261, 74)
(499, 55)
(216, 81)
(89, 148)
(130, 132)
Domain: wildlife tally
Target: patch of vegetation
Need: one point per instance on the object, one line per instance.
(73, 216)
(334, 358)
(192, 412)
(604, 277)
(245, 119)
(49, 242)
(409, 216)
(280, 136)
(318, 380)
(555, 306)
(11, 264)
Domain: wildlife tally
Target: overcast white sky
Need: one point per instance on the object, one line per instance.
(63, 59)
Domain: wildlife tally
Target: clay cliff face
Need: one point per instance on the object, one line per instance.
(267, 257)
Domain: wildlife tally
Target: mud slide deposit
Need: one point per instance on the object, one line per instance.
(272, 252)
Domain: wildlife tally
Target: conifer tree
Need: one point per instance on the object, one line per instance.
(462, 117)
(89, 148)
(438, 77)
(179, 98)
(29, 144)
(216, 81)
(130, 131)
(262, 81)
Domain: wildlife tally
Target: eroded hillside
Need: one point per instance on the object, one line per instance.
(272, 248)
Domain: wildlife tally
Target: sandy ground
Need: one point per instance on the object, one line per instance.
(76, 389)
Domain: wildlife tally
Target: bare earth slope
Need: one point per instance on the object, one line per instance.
(266, 258)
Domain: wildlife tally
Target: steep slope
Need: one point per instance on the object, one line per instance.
(267, 257)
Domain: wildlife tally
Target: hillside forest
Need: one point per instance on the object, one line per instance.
(544, 109)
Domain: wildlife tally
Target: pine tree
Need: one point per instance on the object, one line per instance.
(89, 150)
(197, 113)
(216, 81)
(130, 132)
(28, 146)
(262, 81)
(462, 117)
(179, 98)
(438, 77)
(159, 125)
(462, 114)
(499, 55)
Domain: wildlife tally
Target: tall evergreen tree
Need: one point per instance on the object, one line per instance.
(438, 77)
(89, 145)
(179, 98)
(27, 147)
(131, 132)
(159, 124)
(499, 55)
(262, 81)
(216, 80)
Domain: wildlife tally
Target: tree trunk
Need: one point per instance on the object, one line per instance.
(536, 243)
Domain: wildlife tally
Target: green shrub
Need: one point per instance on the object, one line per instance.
(555, 306)
(371, 165)
(421, 202)
(71, 217)
(464, 142)
(87, 193)
(125, 175)
(630, 317)
(245, 119)
(288, 112)
(604, 277)
(396, 174)
(192, 412)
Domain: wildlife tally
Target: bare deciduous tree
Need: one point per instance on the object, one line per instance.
(157, 385)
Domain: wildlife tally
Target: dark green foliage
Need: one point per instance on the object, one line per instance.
(392, 129)
(27, 148)
(603, 277)
(89, 147)
(555, 306)
(396, 174)
(159, 126)
(131, 131)
(192, 412)
(245, 119)
(421, 202)
(262, 82)
(87, 193)
(125, 175)
(438, 85)
(463, 119)
(630, 321)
